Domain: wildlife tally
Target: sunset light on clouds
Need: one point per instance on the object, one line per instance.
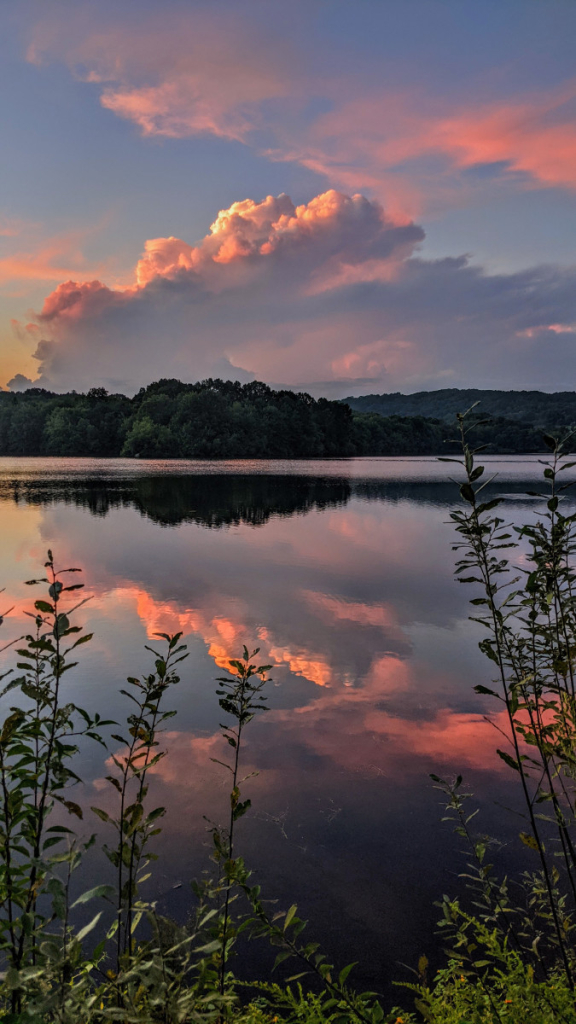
(344, 199)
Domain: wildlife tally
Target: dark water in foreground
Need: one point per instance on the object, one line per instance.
(341, 572)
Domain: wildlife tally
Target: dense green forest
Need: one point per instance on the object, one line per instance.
(217, 419)
(536, 407)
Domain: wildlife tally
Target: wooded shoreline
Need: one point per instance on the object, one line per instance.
(218, 419)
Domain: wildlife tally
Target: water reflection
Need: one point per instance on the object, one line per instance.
(346, 584)
(217, 499)
(212, 501)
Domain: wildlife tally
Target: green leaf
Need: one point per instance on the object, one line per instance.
(345, 972)
(158, 812)
(52, 841)
(240, 809)
(485, 689)
(73, 808)
(101, 814)
(508, 760)
(284, 955)
(10, 726)
(88, 928)
(43, 606)
(289, 916)
(529, 840)
(97, 892)
(210, 947)
(82, 640)
(489, 651)
(61, 625)
(12, 979)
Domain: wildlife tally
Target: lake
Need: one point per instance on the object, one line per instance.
(341, 571)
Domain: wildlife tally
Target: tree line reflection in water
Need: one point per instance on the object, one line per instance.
(217, 501)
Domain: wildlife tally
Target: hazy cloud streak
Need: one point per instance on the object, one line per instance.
(412, 147)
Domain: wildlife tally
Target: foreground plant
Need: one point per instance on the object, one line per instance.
(240, 696)
(506, 990)
(527, 608)
(51, 974)
(38, 742)
(133, 824)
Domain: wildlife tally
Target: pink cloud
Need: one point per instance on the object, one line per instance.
(394, 710)
(32, 259)
(535, 136)
(288, 253)
(334, 609)
(381, 744)
(39, 259)
(342, 231)
(379, 143)
(447, 740)
(178, 77)
(330, 290)
(533, 332)
(183, 107)
(71, 300)
(223, 635)
(172, 75)
(11, 227)
(375, 143)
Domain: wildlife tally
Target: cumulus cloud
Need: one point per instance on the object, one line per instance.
(19, 383)
(332, 291)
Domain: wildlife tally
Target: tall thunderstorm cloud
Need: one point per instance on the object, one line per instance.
(330, 294)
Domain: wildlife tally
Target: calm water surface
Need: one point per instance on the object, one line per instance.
(341, 571)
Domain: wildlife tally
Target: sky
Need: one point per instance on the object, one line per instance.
(345, 196)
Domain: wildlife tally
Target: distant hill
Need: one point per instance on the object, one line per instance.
(534, 407)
